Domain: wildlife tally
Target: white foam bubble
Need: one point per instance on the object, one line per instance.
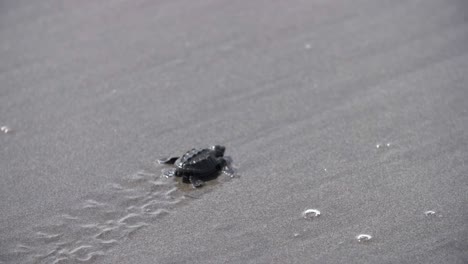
(363, 237)
(311, 213)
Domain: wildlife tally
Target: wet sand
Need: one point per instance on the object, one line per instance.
(357, 109)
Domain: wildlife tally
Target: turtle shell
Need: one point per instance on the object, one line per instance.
(198, 161)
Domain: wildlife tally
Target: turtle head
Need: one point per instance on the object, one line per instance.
(219, 150)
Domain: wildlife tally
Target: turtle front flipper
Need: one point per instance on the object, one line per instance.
(228, 170)
(196, 182)
(224, 165)
(170, 160)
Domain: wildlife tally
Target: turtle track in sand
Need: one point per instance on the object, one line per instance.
(103, 220)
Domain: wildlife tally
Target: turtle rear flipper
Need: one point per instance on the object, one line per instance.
(196, 182)
(170, 160)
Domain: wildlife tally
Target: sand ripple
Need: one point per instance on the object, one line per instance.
(105, 219)
(102, 221)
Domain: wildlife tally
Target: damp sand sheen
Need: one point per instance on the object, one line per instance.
(102, 221)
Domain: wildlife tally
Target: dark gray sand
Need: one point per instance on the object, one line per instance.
(356, 108)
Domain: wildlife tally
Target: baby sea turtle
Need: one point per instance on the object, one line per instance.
(198, 164)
